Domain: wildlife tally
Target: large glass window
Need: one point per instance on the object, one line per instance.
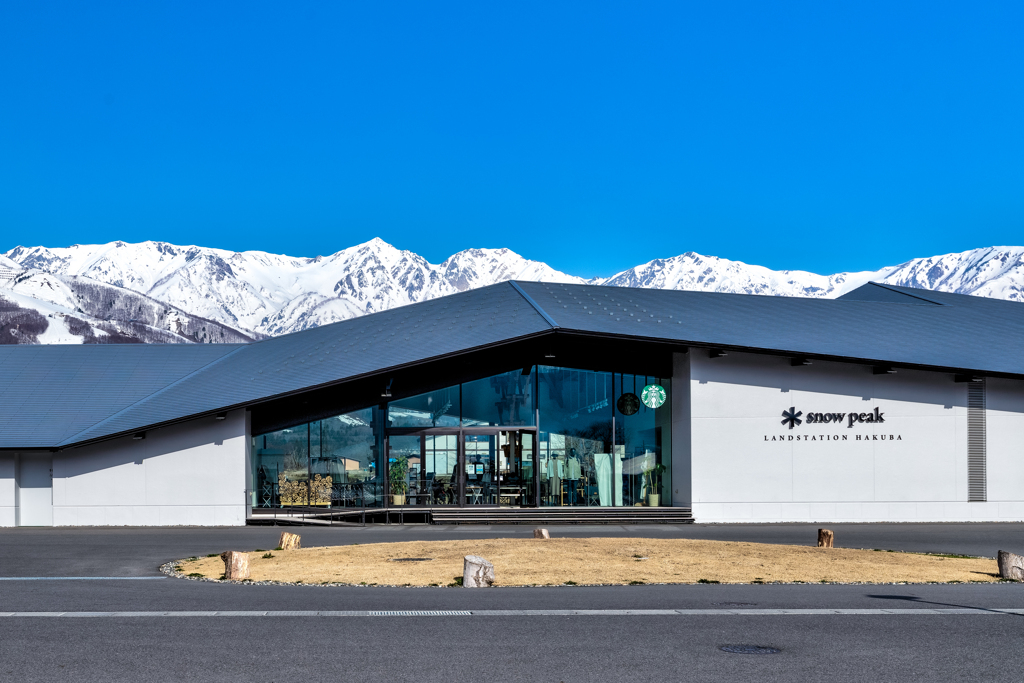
(575, 454)
(642, 449)
(330, 463)
(597, 443)
(502, 400)
(439, 408)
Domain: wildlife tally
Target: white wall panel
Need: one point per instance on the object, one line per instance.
(911, 467)
(8, 495)
(188, 474)
(1004, 422)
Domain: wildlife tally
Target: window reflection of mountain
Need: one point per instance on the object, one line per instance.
(513, 390)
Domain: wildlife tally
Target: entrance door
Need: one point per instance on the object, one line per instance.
(35, 490)
(499, 468)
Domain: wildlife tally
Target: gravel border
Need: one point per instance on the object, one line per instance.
(170, 569)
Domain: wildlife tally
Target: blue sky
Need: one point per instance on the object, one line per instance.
(594, 136)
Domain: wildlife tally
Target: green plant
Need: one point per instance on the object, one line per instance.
(214, 555)
(636, 583)
(277, 548)
(267, 556)
(196, 575)
(397, 474)
(571, 583)
(652, 477)
(706, 581)
(457, 581)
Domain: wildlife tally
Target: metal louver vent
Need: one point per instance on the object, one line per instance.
(977, 479)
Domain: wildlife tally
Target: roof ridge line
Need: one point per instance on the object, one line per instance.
(892, 288)
(529, 299)
(70, 440)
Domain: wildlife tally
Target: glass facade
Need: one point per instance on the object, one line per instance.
(548, 436)
(330, 463)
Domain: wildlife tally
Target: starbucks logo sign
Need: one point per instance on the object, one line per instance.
(653, 396)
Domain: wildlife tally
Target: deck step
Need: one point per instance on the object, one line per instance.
(488, 515)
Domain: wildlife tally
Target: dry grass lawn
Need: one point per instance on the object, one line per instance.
(519, 562)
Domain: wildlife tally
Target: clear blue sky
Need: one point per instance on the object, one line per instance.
(595, 136)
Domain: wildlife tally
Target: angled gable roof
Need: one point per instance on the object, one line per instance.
(343, 350)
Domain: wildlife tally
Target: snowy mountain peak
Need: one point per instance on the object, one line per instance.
(259, 293)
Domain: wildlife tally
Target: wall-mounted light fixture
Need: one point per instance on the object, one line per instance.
(796, 362)
(387, 389)
(221, 416)
(883, 370)
(717, 353)
(139, 436)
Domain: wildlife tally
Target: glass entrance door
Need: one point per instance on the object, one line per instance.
(499, 468)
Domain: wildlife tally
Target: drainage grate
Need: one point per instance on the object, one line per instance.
(411, 559)
(422, 613)
(750, 649)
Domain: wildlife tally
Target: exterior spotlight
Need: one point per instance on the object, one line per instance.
(221, 416)
(549, 354)
(795, 362)
(139, 436)
(718, 353)
(883, 370)
(387, 389)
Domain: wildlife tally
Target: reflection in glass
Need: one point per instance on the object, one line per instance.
(329, 463)
(641, 447)
(433, 409)
(574, 455)
(502, 400)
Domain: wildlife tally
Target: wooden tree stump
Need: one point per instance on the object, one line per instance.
(289, 541)
(825, 537)
(236, 565)
(1011, 566)
(477, 572)
(541, 533)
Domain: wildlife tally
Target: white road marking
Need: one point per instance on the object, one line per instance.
(920, 611)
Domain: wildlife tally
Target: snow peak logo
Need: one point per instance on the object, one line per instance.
(792, 418)
(825, 418)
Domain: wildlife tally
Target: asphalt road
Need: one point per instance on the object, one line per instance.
(922, 645)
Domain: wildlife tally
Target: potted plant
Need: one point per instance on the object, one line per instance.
(652, 476)
(397, 480)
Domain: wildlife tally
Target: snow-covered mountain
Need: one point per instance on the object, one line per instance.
(203, 294)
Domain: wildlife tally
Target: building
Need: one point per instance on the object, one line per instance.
(887, 404)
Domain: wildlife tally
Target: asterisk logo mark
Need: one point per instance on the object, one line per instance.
(792, 417)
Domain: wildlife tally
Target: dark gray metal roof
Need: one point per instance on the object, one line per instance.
(962, 332)
(49, 393)
(56, 396)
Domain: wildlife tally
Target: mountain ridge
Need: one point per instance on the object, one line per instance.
(254, 294)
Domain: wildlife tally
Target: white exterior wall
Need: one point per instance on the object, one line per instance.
(188, 474)
(8, 490)
(740, 475)
(1004, 427)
